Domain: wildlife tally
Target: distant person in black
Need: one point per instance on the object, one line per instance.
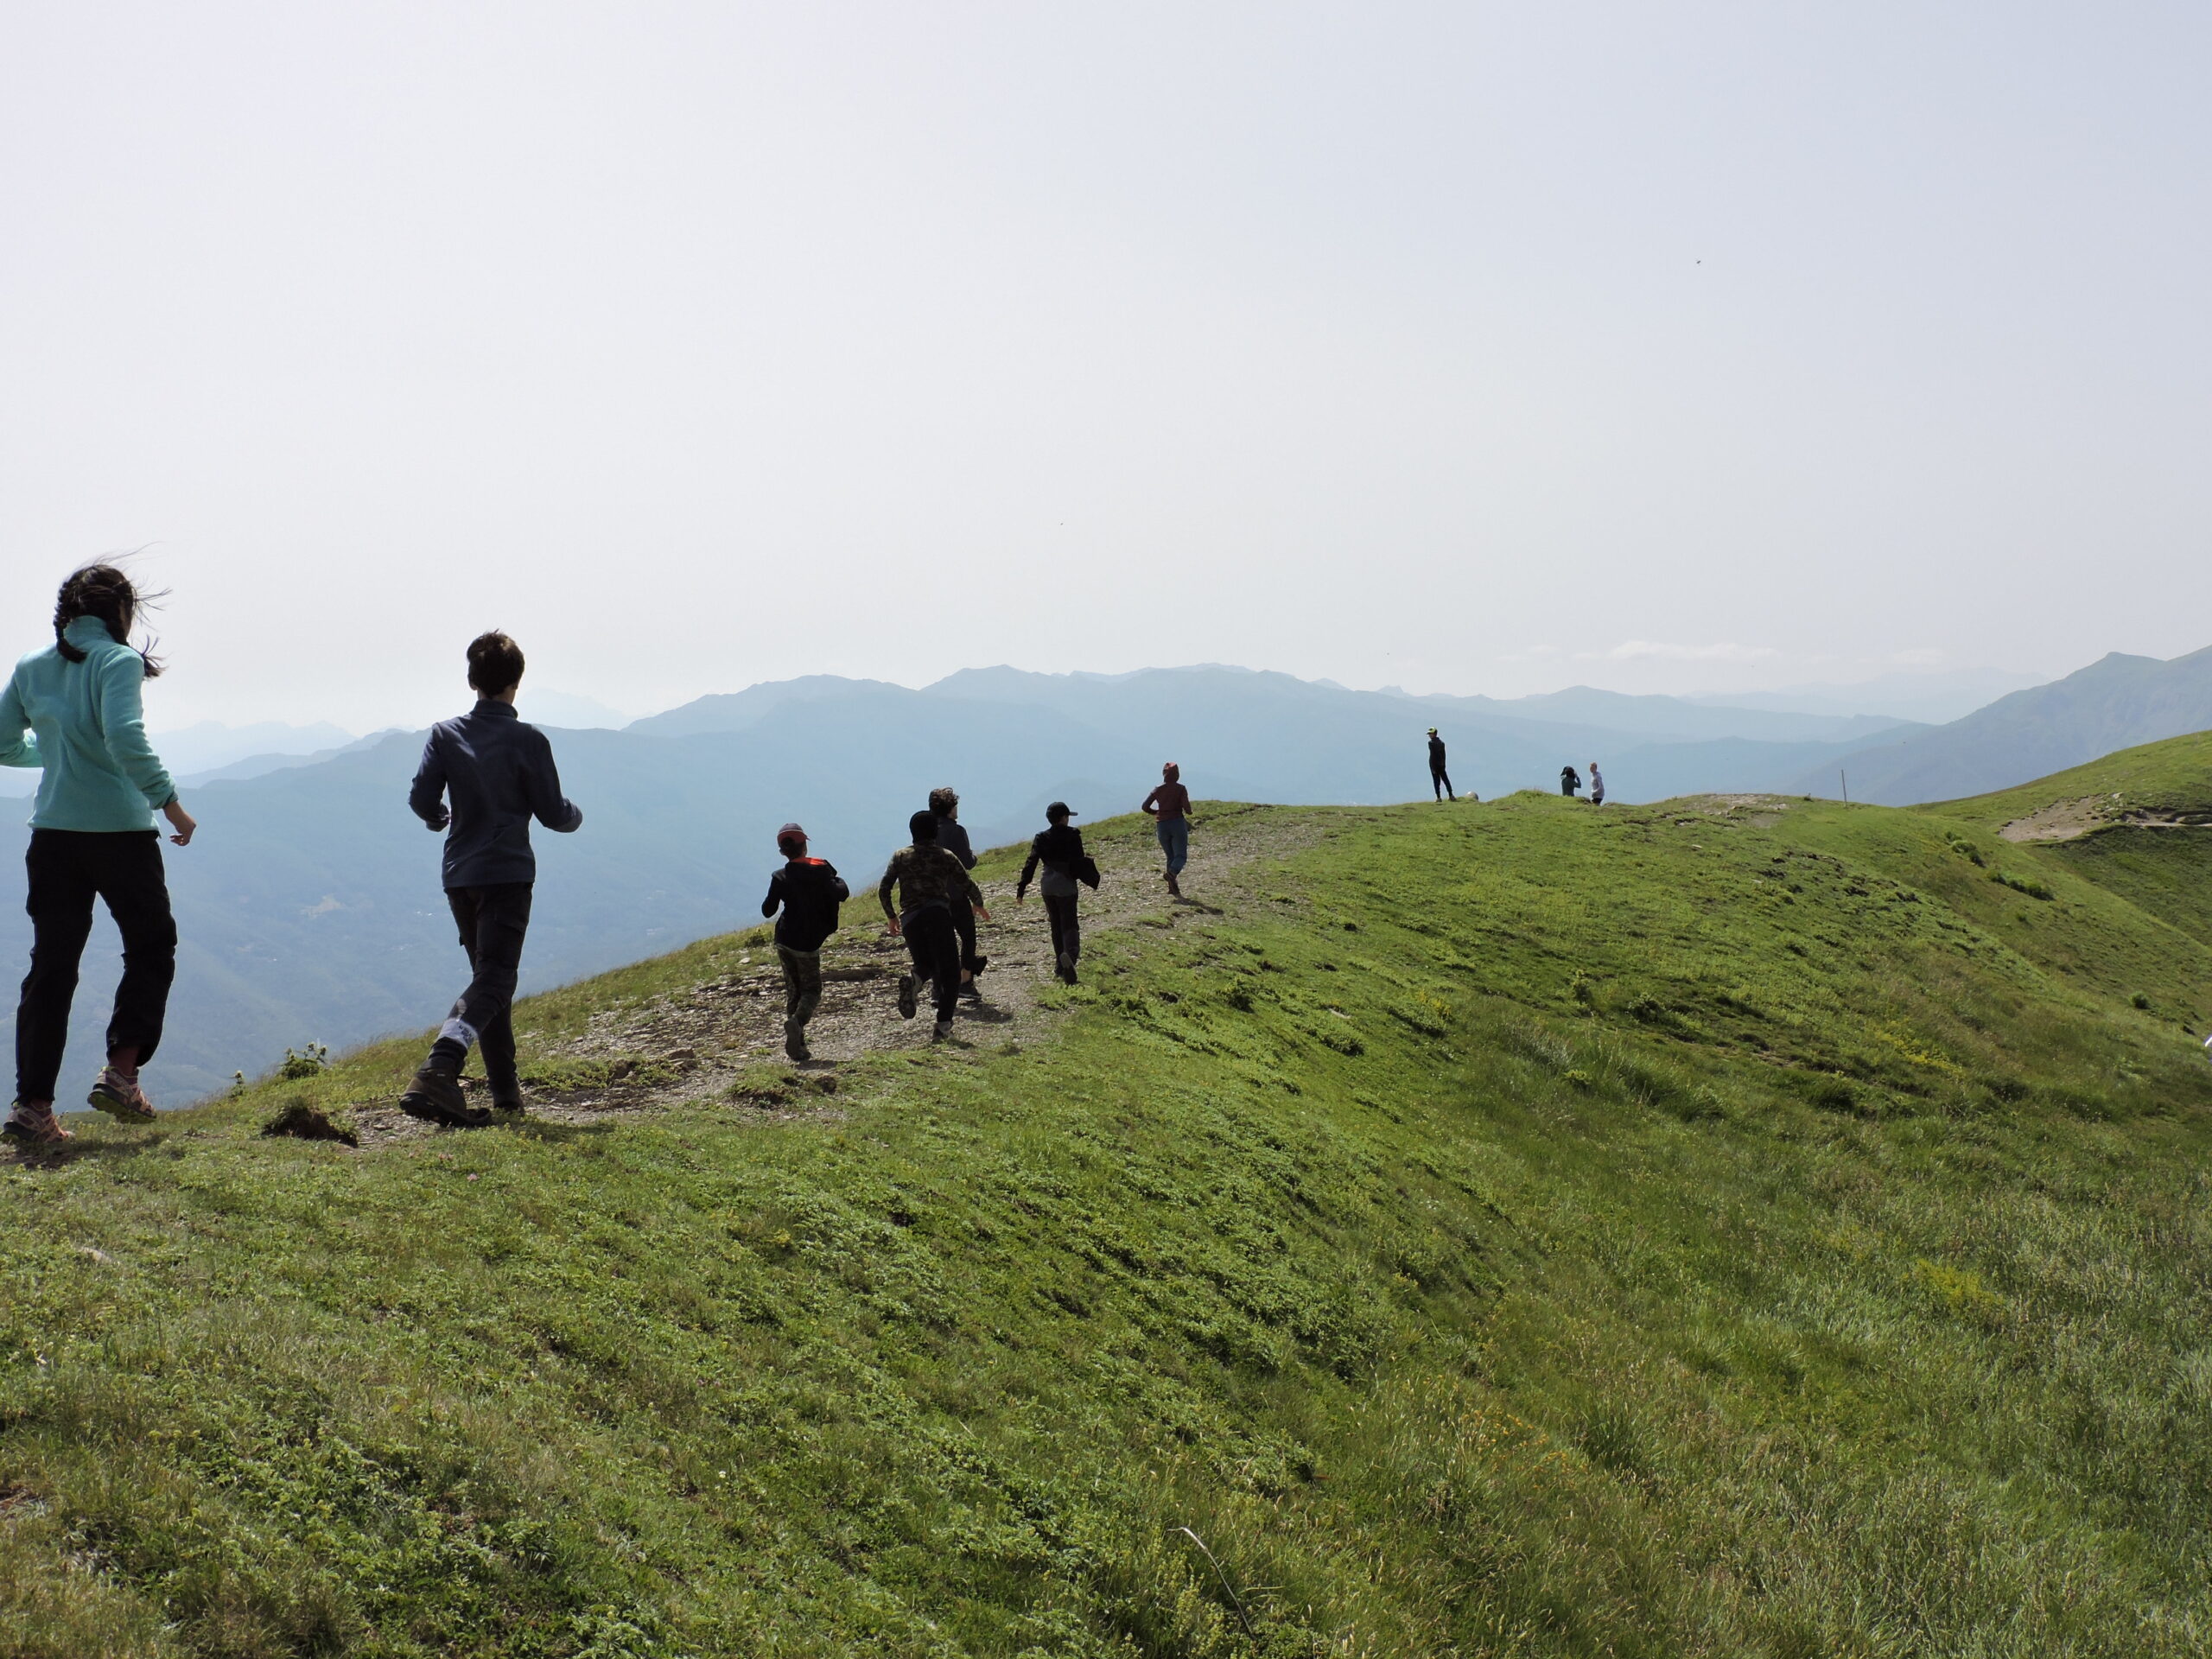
(499, 774)
(1439, 779)
(954, 839)
(1059, 849)
(926, 877)
(1569, 780)
(808, 891)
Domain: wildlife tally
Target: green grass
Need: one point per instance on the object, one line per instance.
(1548, 1231)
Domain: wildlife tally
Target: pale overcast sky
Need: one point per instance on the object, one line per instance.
(1468, 347)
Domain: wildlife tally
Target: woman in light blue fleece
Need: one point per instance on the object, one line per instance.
(73, 710)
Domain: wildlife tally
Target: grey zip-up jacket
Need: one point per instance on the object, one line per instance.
(499, 773)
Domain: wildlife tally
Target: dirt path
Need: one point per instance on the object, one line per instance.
(712, 1037)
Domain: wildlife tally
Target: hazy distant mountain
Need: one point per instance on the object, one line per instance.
(1931, 697)
(210, 746)
(309, 905)
(2114, 703)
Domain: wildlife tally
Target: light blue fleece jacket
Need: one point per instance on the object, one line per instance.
(90, 728)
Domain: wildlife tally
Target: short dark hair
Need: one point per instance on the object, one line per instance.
(494, 662)
(922, 826)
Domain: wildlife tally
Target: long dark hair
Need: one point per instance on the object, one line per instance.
(104, 591)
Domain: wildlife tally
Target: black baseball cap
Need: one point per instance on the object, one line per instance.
(1060, 810)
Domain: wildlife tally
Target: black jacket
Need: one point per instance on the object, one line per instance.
(808, 891)
(1059, 849)
(499, 774)
(1436, 754)
(952, 835)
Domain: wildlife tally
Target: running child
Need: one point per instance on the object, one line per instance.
(952, 835)
(1169, 806)
(1059, 849)
(92, 835)
(499, 774)
(808, 891)
(927, 877)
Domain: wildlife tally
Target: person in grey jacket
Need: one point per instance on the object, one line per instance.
(499, 774)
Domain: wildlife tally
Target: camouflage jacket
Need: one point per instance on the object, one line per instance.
(925, 876)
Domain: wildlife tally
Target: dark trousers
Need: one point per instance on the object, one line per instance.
(963, 926)
(68, 870)
(802, 984)
(1441, 780)
(934, 944)
(1067, 930)
(492, 921)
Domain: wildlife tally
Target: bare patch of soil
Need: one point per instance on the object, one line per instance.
(725, 1037)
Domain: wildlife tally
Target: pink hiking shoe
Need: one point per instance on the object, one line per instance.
(118, 1094)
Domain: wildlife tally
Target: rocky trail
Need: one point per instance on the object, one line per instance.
(724, 1037)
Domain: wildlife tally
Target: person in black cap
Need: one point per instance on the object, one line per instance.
(808, 891)
(927, 877)
(1439, 779)
(1059, 849)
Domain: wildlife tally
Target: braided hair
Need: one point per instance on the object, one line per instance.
(104, 591)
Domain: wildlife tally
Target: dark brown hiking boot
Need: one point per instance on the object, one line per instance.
(435, 1097)
(119, 1095)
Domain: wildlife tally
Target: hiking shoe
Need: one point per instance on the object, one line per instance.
(942, 1031)
(506, 1098)
(1065, 966)
(35, 1126)
(795, 1044)
(120, 1097)
(1174, 886)
(907, 1002)
(435, 1097)
(971, 992)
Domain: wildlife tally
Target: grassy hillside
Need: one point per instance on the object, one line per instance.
(1720, 1227)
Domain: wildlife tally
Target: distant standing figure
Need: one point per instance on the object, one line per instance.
(808, 891)
(927, 876)
(954, 839)
(1059, 849)
(1439, 779)
(499, 774)
(1597, 785)
(1569, 781)
(1169, 805)
(73, 710)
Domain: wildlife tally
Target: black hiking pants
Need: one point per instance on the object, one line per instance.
(933, 943)
(964, 925)
(1441, 781)
(1067, 928)
(68, 870)
(492, 921)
